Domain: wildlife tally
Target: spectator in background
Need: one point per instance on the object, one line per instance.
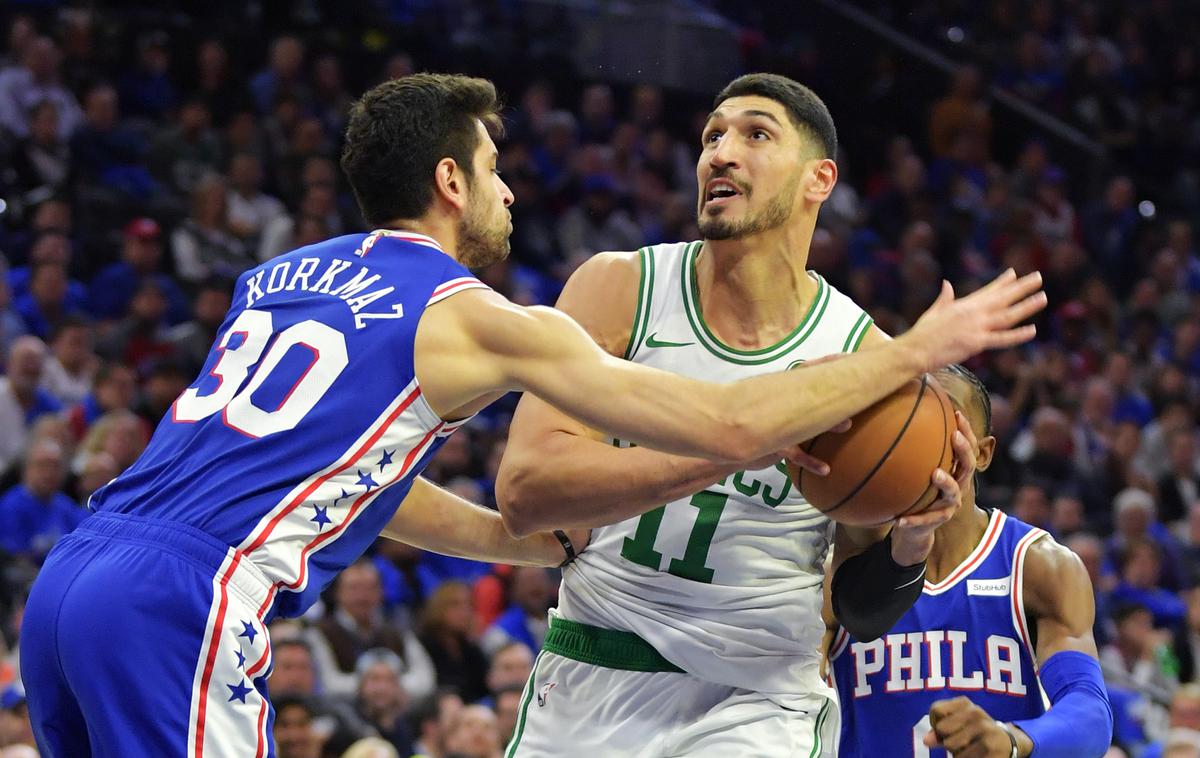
(431, 718)
(192, 339)
(203, 246)
(15, 727)
(962, 110)
(71, 367)
(99, 469)
(183, 155)
(141, 336)
(42, 162)
(531, 594)
(598, 223)
(165, 381)
(474, 733)
(35, 514)
(358, 625)
(330, 100)
(216, 84)
(510, 667)
(1183, 735)
(115, 389)
(1180, 486)
(294, 675)
(382, 700)
(114, 286)
(52, 297)
(507, 708)
(293, 728)
(1141, 574)
(1187, 640)
(285, 74)
(250, 209)
(445, 633)
(120, 434)
(36, 80)
(22, 400)
(147, 91)
(317, 220)
(1132, 661)
(372, 747)
(108, 154)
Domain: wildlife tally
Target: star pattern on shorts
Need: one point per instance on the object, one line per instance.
(366, 480)
(321, 518)
(239, 691)
(241, 659)
(248, 631)
(386, 459)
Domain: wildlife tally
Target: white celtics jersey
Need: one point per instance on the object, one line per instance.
(726, 583)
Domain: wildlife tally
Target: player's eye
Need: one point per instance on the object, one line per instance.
(760, 135)
(712, 137)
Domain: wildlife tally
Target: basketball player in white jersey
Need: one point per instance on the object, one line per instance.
(692, 624)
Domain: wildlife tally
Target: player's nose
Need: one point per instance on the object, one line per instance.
(506, 194)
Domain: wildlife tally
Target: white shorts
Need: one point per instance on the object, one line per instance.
(584, 710)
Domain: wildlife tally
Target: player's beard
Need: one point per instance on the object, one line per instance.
(482, 236)
(776, 214)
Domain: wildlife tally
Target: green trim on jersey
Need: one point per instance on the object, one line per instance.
(526, 698)
(820, 723)
(691, 306)
(641, 317)
(609, 648)
(857, 332)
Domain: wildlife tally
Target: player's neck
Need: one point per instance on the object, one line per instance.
(956, 539)
(441, 230)
(754, 291)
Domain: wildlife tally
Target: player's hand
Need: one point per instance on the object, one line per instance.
(953, 330)
(797, 456)
(966, 731)
(912, 537)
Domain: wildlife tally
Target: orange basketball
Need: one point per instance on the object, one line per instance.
(880, 468)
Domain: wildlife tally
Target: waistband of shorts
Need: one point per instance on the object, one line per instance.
(609, 648)
(200, 546)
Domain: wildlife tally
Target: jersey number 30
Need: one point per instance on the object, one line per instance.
(254, 328)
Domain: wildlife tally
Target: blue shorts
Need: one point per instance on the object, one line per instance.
(146, 638)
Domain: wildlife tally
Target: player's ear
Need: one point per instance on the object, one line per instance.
(987, 448)
(450, 183)
(821, 180)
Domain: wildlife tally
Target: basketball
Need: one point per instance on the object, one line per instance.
(880, 468)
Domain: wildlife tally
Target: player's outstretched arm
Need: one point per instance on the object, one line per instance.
(433, 519)
(1058, 596)
(477, 343)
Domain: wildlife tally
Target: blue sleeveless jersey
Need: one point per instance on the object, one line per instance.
(966, 635)
(306, 426)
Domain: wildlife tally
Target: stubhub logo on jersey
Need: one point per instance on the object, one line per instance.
(988, 587)
(352, 290)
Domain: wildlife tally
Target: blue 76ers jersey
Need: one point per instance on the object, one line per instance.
(966, 635)
(307, 425)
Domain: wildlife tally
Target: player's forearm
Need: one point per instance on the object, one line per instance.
(770, 412)
(439, 521)
(563, 480)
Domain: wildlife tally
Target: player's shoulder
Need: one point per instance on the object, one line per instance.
(603, 296)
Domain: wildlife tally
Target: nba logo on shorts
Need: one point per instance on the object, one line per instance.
(544, 692)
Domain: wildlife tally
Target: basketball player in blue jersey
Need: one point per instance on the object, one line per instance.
(337, 374)
(1004, 621)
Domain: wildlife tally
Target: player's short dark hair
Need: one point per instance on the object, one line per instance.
(807, 111)
(400, 129)
(979, 393)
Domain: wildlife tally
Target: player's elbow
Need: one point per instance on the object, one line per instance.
(517, 501)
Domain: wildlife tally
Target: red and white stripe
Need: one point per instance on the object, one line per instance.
(991, 536)
(453, 287)
(215, 724)
(413, 237)
(840, 641)
(1017, 591)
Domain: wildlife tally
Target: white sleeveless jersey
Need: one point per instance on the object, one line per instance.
(726, 583)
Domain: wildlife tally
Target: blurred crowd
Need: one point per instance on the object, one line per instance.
(149, 159)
